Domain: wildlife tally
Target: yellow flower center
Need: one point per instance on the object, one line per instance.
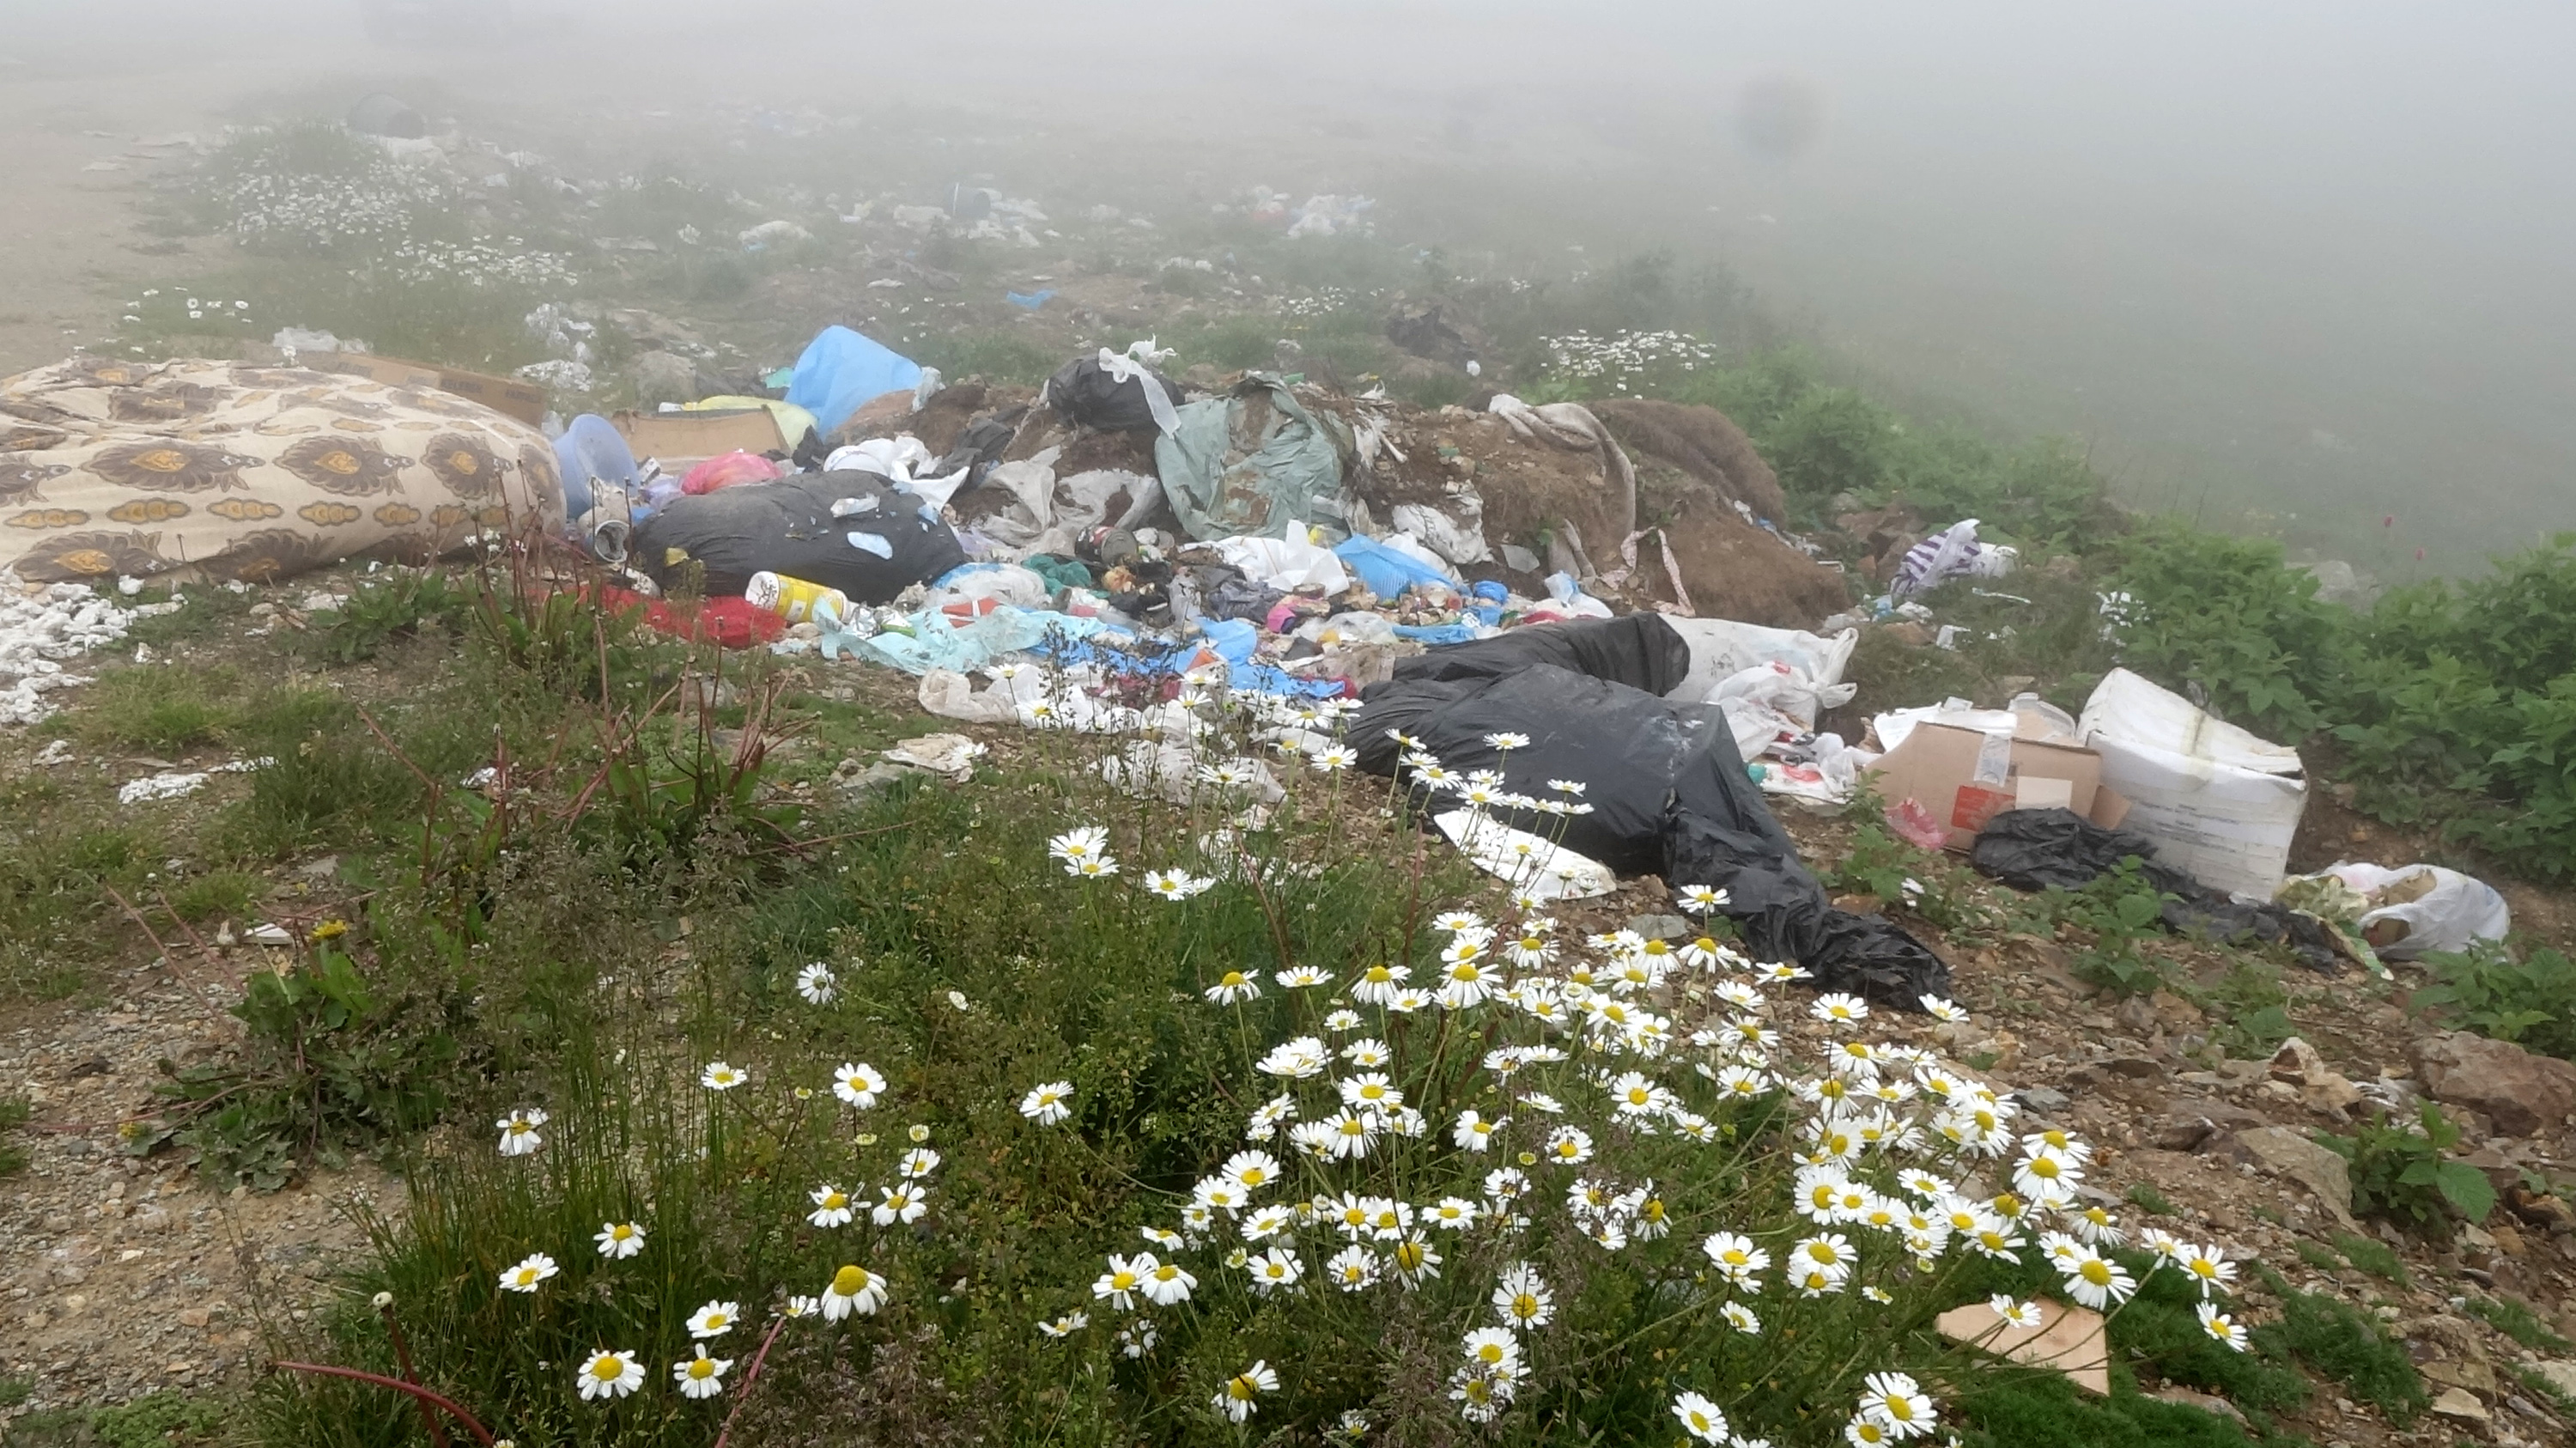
(1166, 1272)
(702, 1369)
(2096, 1272)
(1122, 1281)
(835, 1200)
(1380, 975)
(2044, 1167)
(1823, 1253)
(1524, 1306)
(622, 1234)
(1899, 1409)
(607, 1369)
(1254, 1176)
(1409, 1256)
(1241, 1389)
(1491, 1352)
(1699, 1421)
(849, 1280)
(1232, 978)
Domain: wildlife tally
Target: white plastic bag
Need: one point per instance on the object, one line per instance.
(2440, 910)
(1287, 564)
(1720, 647)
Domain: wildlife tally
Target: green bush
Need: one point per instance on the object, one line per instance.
(2531, 1002)
(2403, 1173)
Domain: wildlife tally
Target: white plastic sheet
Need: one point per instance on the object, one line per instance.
(1531, 865)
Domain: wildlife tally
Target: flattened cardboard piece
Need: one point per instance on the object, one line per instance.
(509, 397)
(2068, 1339)
(676, 437)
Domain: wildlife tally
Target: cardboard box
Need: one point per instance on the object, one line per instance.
(677, 437)
(525, 401)
(1966, 778)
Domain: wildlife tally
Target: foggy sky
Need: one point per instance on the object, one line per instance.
(2264, 258)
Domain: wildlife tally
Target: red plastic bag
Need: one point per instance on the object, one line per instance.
(727, 470)
(1916, 825)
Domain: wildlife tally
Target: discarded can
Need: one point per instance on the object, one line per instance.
(793, 599)
(1108, 547)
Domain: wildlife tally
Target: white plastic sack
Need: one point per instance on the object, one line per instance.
(1455, 530)
(2442, 910)
(1287, 564)
(1001, 582)
(2220, 803)
(1784, 688)
(1030, 482)
(1720, 647)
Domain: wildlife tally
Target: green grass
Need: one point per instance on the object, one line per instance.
(2345, 1345)
(2514, 1318)
(2145, 1197)
(163, 709)
(2374, 1257)
(169, 1419)
(14, 1113)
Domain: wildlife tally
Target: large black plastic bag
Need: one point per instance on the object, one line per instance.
(1669, 796)
(1641, 651)
(1083, 391)
(788, 527)
(2033, 849)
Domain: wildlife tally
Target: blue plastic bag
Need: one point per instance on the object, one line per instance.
(1386, 571)
(841, 371)
(592, 453)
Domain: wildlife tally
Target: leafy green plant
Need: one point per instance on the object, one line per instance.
(2119, 907)
(1905, 876)
(2248, 1008)
(2531, 1002)
(2400, 1172)
(384, 609)
(14, 1113)
(331, 1065)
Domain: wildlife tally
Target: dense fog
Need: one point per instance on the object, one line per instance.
(2297, 264)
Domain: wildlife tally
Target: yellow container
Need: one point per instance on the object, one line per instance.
(794, 599)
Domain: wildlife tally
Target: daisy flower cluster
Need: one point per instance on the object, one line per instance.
(1625, 358)
(274, 197)
(606, 1374)
(478, 264)
(1454, 1125)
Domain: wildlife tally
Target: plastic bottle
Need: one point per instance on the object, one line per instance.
(793, 599)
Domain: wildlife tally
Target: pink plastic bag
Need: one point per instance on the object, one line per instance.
(726, 471)
(1915, 825)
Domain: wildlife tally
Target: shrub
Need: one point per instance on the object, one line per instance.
(2527, 1002)
(2401, 1172)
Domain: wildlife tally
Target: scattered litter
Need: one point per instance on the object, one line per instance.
(2417, 910)
(179, 785)
(951, 756)
(1529, 864)
(2069, 1339)
(1952, 553)
(267, 934)
(57, 752)
(40, 629)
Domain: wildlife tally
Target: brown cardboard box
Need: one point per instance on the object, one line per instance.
(525, 401)
(678, 437)
(1967, 778)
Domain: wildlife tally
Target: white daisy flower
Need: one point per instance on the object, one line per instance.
(530, 1271)
(1741, 1318)
(718, 1076)
(1166, 1283)
(1301, 977)
(1700, 1418)
(1233, 988)
(1048, 1103)
(917, 1163)
(1352, 1269)
(2220, 1325)
(618, 1241)
(1066, 1325)
(815, 983)
(832, 1207)
(715, 1319)
(519, 1131)
(1235, 1399)
(1898, 1403)
(854, 1289)
(1522, 1298)
(904, 1203)
(606, 1374)
(700, 1376)
(858, 1084)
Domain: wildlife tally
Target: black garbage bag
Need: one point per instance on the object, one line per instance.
(980, 446)
(2034, 849)
(1084, 392)
(1641, 651)
(1669, 796)
(883, 541)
